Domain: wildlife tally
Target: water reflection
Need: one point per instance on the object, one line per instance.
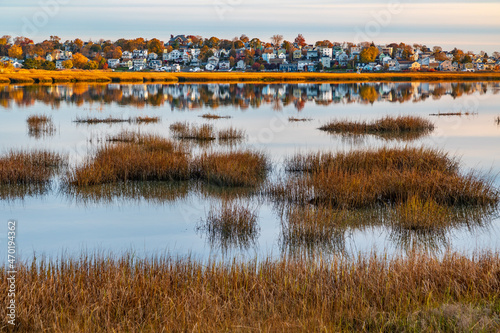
(242, 96)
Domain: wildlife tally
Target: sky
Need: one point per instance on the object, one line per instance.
(468, 25)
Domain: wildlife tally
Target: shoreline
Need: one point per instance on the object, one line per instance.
(75, 76)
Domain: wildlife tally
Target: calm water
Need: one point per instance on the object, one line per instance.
(164, 218)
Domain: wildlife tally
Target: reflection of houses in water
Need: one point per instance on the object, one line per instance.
(194, 96)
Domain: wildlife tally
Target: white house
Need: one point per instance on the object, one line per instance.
(113, 63)
(326, 61)
(155, 64)
(224, 65)
(126, 55)
(152, 56)
(139, 64)
(213, 60)
(59, 64)
(326, 52)
(267, 56)
(139, 53)
(241, 65)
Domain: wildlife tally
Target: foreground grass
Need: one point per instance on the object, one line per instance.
(49, 77)
(108, 294)
(387, 127)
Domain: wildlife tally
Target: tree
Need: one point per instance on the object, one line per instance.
(48, 65)
(156, 46)
(244, 38)
(16, 51)
(368, 54)
(91, 65)
(276, 40)
(79, 60)
(68, 64)
(300, 40)
(31, 64)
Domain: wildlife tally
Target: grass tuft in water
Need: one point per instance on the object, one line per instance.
(40, 126)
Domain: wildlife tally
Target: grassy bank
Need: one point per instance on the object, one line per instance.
(48, 77)
(411, 294)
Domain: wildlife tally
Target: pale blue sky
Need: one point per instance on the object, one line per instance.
(468, 25)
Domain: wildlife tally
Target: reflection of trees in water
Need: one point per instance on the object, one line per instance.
(243, 96)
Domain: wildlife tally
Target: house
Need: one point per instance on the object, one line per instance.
(467, 67)
(155, 64)
(393, 65)
(289, 67)
(305, 65)
(127, 63)
(49, 57)
(181, 39)
(326, 52)
(59, 64)
(210, 67)
(139, 64)
(224, 65)
(326, 61)
(186, 57)
(174, 55)
(446, 66)
(113, 63)
(126, 55)
(343, 59)
(277, 62)
(241, 65)
(297, 54)
(224, 53)
(152, 56)
(312, 54)
(139, 54)
(355, 51)
(267, 56)
(213, 60)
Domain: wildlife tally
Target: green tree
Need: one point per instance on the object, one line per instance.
(91, 65)
(48, 65)
(31, 64)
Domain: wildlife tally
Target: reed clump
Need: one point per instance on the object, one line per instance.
(409, 127)
(40, 125)
(214, 116)
(363, 179)
(134, 158)
(466, 113)
(417, 292)
(186, 131)
(232, 224)
(29, 167)
(497, 120)
(241, 168)
(231, 134)
(295, 119)
(113, 120)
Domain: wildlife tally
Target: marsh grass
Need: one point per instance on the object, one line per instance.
(214, 116)
(231, 224)
(389, 127)
(29, 167)
(231, 134)
(40, 126)
(186, 131)
(364, 179)
(240, 168)
(132, 191)
(416, 292)
(132, 156)
(441, 114)
(294, 119)
(112, 120)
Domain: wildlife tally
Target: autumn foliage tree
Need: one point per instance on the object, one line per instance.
(276, 40)
(368, 54)
(300, 40)
(155, 46)
(16, 51)
(79, 60)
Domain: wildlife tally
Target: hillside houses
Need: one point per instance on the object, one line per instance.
(195, 53)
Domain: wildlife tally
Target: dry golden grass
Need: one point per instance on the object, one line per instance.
(387, 127)
(294, 119)
(135, 158)
(362, 179)
(231, 224)
(186, 131)
(231, 133)
(414, 293)
(112, 120)
(439, 114)
(214, 116)
(40, 126)
(29, 167)
(235, 168)
(38, 76)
